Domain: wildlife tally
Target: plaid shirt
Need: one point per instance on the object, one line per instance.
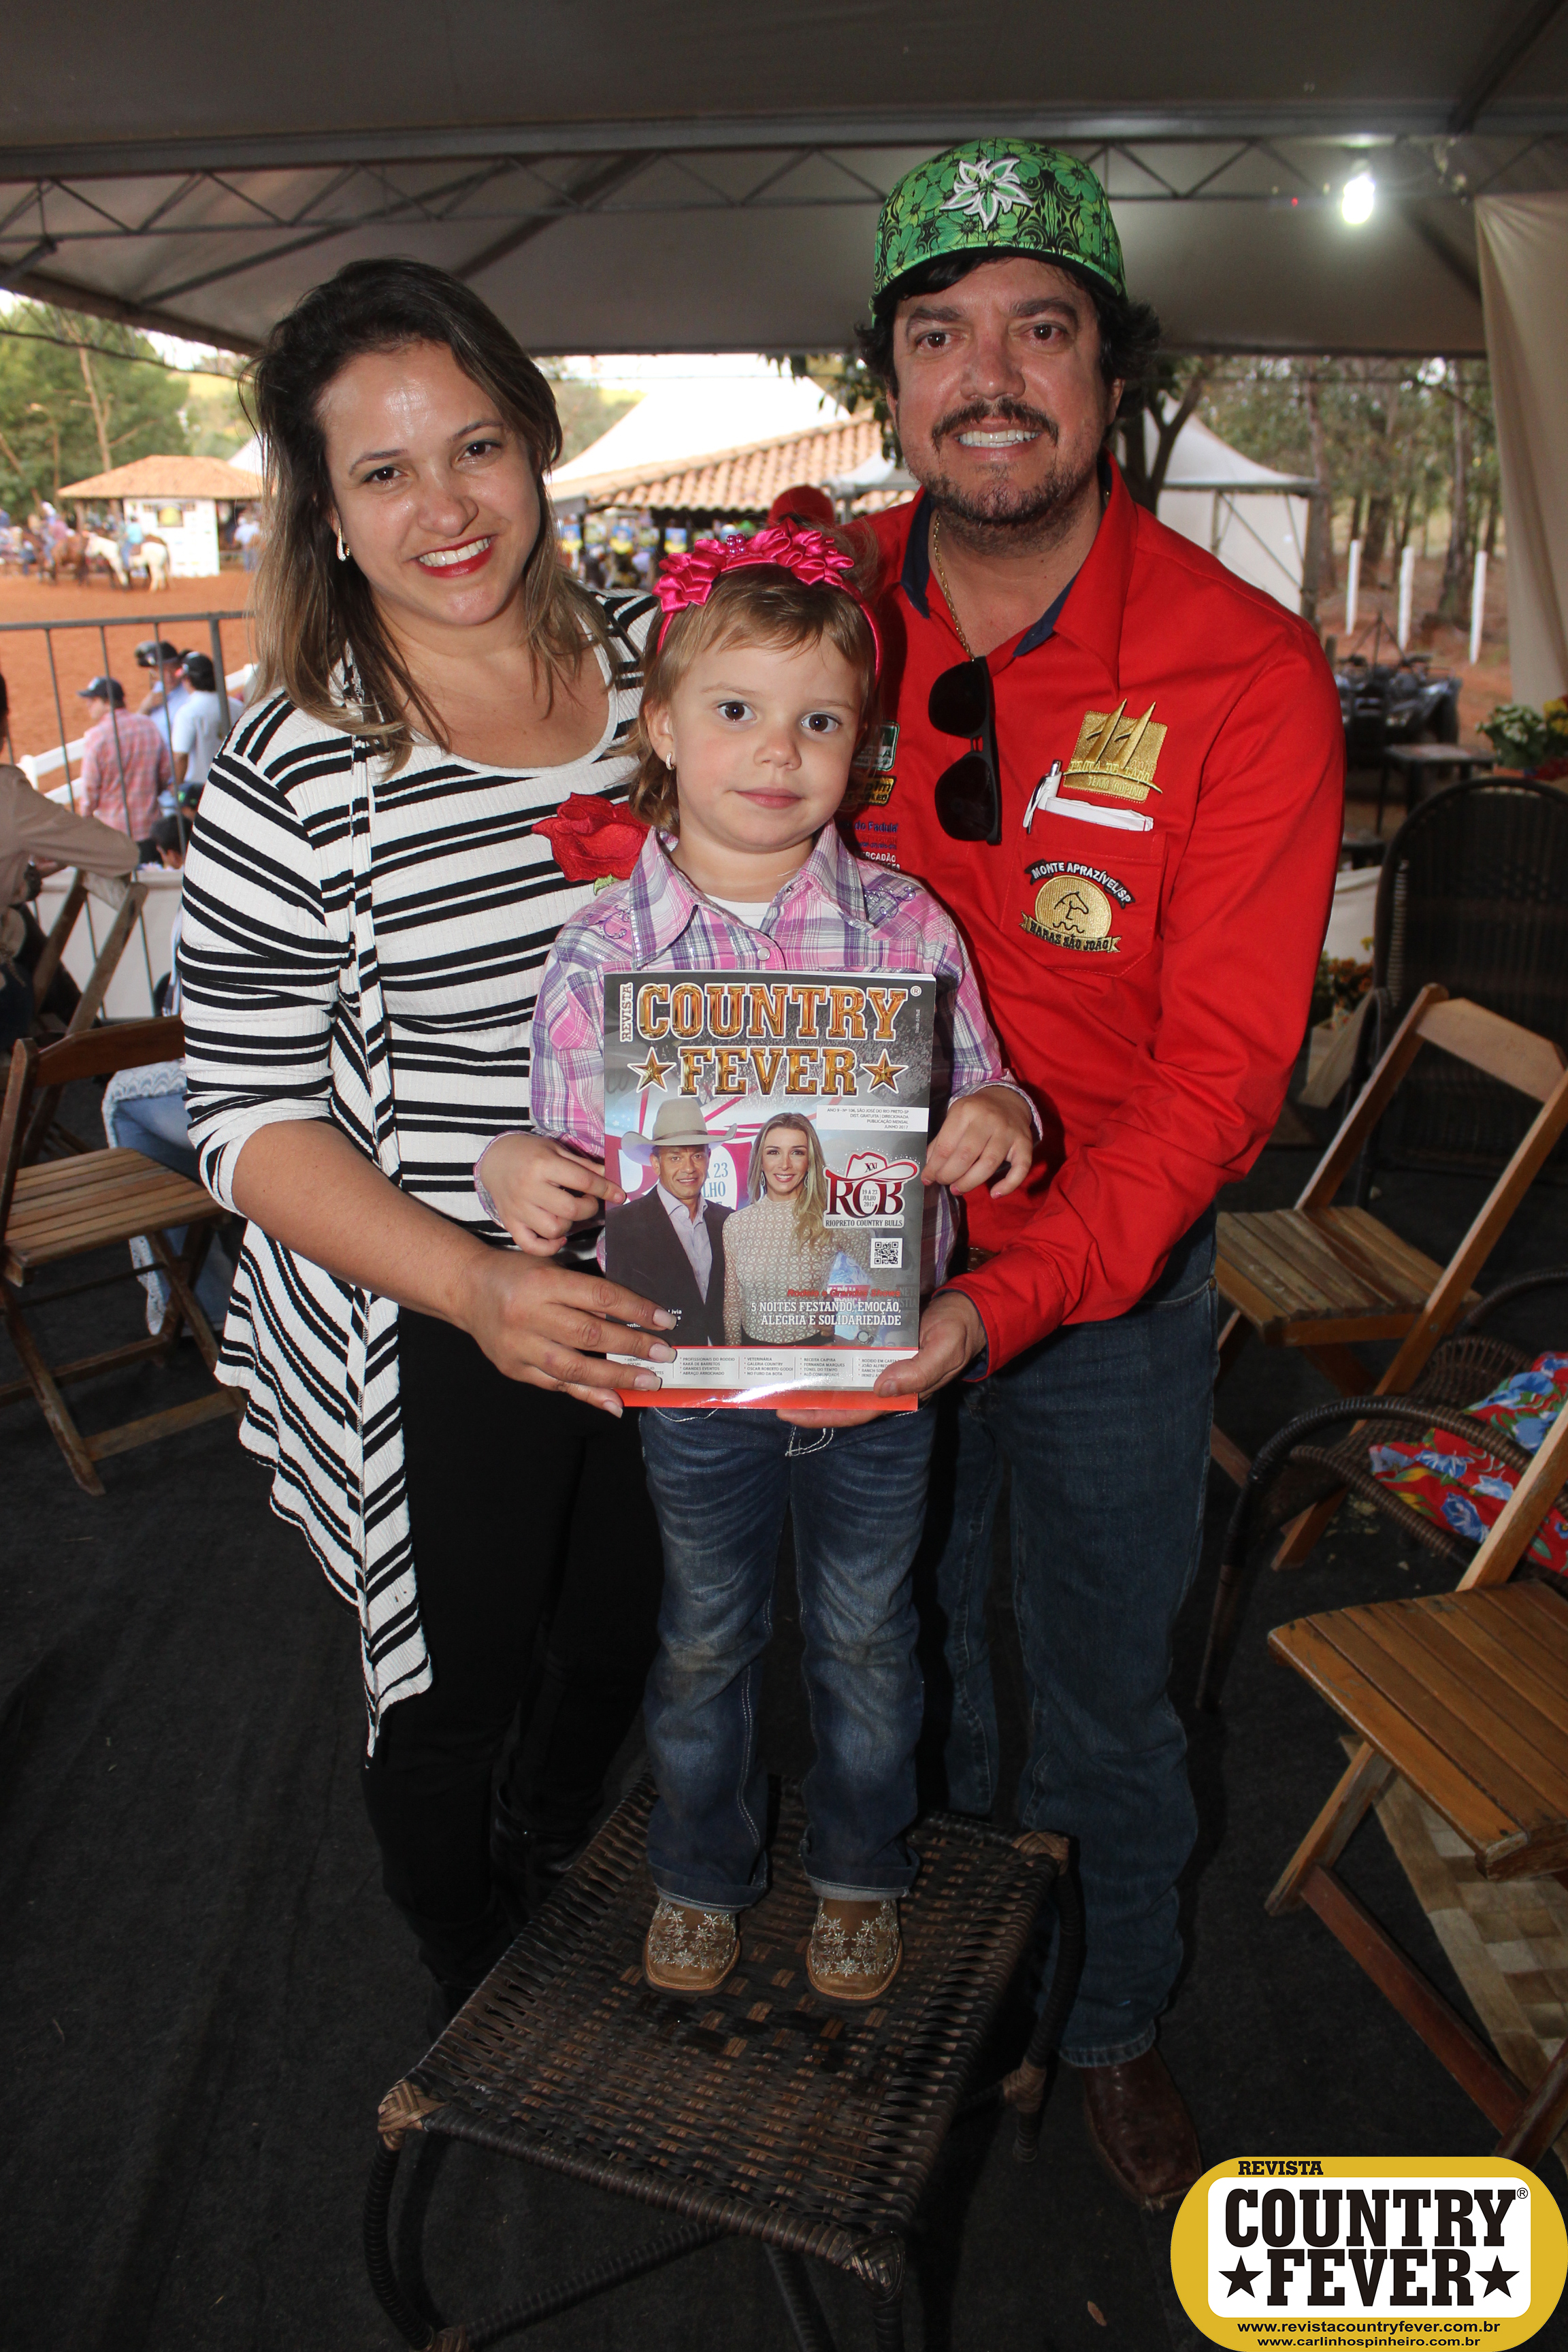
(132, 739)
(839, 913)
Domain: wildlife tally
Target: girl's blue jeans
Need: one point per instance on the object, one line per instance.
(721, 1481)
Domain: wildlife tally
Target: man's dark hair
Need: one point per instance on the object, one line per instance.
(1129, 331)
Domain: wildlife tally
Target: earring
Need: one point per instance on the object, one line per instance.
(343, 550)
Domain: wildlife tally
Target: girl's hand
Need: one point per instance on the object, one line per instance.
(987, 1130)
(542, 1189)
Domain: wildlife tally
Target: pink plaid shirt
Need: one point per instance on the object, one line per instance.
(131, 738)
(839, 913)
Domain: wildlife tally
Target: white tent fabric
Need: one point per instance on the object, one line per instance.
(696, 416)
(1253, 518)
(1523, 243)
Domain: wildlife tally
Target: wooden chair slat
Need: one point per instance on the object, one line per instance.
(47, 1220)
(1250, 1245)
(49, 1176)
(1352, 1280)
(1393, 1267)
(1500, 1047)
(1303, 1264)
(1469, 1809)
(1489, 1703)
(1513, 1664)
(1546, 1619)
(86, 1205)
(1372, 1647)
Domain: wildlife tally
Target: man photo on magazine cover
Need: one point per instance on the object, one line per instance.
(669, 1245)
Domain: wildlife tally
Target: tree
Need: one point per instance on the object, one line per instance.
(1172, 395)
(75, 400)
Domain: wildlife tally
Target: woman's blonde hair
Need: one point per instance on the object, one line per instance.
(811, 1201)
(316, 619)
(756, 604)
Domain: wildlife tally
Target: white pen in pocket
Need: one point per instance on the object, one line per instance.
(1045, 796)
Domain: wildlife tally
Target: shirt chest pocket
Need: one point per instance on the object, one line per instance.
(1086, 898)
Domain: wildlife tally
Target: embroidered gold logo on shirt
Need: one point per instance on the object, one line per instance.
(1116, 754)
(1074, 908)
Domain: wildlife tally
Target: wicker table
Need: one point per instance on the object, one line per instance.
(761, 2111)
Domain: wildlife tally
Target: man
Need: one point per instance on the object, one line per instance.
(125, 761)
(668, 1245)
(1123, 769)
(36, 837)
(197, 727)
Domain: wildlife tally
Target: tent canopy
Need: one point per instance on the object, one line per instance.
(614, 177)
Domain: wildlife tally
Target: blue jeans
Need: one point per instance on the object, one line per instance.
(1105, 1430)
(155, 1125)
(720, 1483)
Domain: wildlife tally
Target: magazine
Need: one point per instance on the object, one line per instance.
(770, 1130)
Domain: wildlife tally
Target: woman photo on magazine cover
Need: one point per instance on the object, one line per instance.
(779, 1246)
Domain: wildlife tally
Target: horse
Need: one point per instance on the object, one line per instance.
(153, 558)
(82, 552)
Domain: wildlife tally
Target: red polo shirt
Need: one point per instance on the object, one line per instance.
(1150, 982)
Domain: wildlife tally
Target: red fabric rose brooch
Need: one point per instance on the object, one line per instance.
(593, 840)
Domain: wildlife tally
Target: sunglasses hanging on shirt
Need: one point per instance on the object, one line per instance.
(962, 702)
(969, 793)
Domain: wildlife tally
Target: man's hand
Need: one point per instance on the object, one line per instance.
(986, 1130)
(542, 1189)
(553, 1327)
(952, 1336)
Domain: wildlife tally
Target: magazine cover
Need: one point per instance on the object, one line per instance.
(770, 1130)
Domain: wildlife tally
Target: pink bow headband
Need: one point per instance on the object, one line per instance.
(810, 554)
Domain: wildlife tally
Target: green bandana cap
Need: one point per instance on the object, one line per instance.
(999, 195)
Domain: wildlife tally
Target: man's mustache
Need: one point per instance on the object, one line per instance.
(994, 412)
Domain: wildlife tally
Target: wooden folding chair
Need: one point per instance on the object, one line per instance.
(1465, 1697)
(1318, 1278)
(65, 1208)
(127, 899)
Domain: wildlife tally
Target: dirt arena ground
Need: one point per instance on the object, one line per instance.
(78, 653)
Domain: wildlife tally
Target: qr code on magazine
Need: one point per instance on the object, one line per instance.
(888, 1250)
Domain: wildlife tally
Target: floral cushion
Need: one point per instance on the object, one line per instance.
(1452, 1482)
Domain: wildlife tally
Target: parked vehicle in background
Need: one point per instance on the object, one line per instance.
(1401, 701)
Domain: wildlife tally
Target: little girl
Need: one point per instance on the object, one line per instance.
(754, 700)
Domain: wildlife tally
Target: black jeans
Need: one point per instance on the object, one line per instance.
(529, 1517)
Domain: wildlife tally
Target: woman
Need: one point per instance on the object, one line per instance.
(780, 1244)
(367, 907)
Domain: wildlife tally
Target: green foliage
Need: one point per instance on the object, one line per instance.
(76, 399)
(586, 410)
(1384, 429)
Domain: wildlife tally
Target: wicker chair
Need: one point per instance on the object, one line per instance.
(1473, 894)
(759, 2111)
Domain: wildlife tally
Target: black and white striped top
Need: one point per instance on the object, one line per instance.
(366, 949)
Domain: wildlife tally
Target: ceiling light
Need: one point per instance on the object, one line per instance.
(1357, 201)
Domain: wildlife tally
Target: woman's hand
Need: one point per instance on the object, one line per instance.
(988, 1130)
(542, 1189)
(553, 1327)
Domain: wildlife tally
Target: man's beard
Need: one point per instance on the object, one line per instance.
(1005, 514)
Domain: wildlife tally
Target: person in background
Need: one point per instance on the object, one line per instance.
(199, 727)
(247, 539)
(804, 503)
(125, 761)
(168, 690)
(144, 1110)
(36, 837)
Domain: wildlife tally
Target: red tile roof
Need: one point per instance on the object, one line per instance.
(744, 480)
